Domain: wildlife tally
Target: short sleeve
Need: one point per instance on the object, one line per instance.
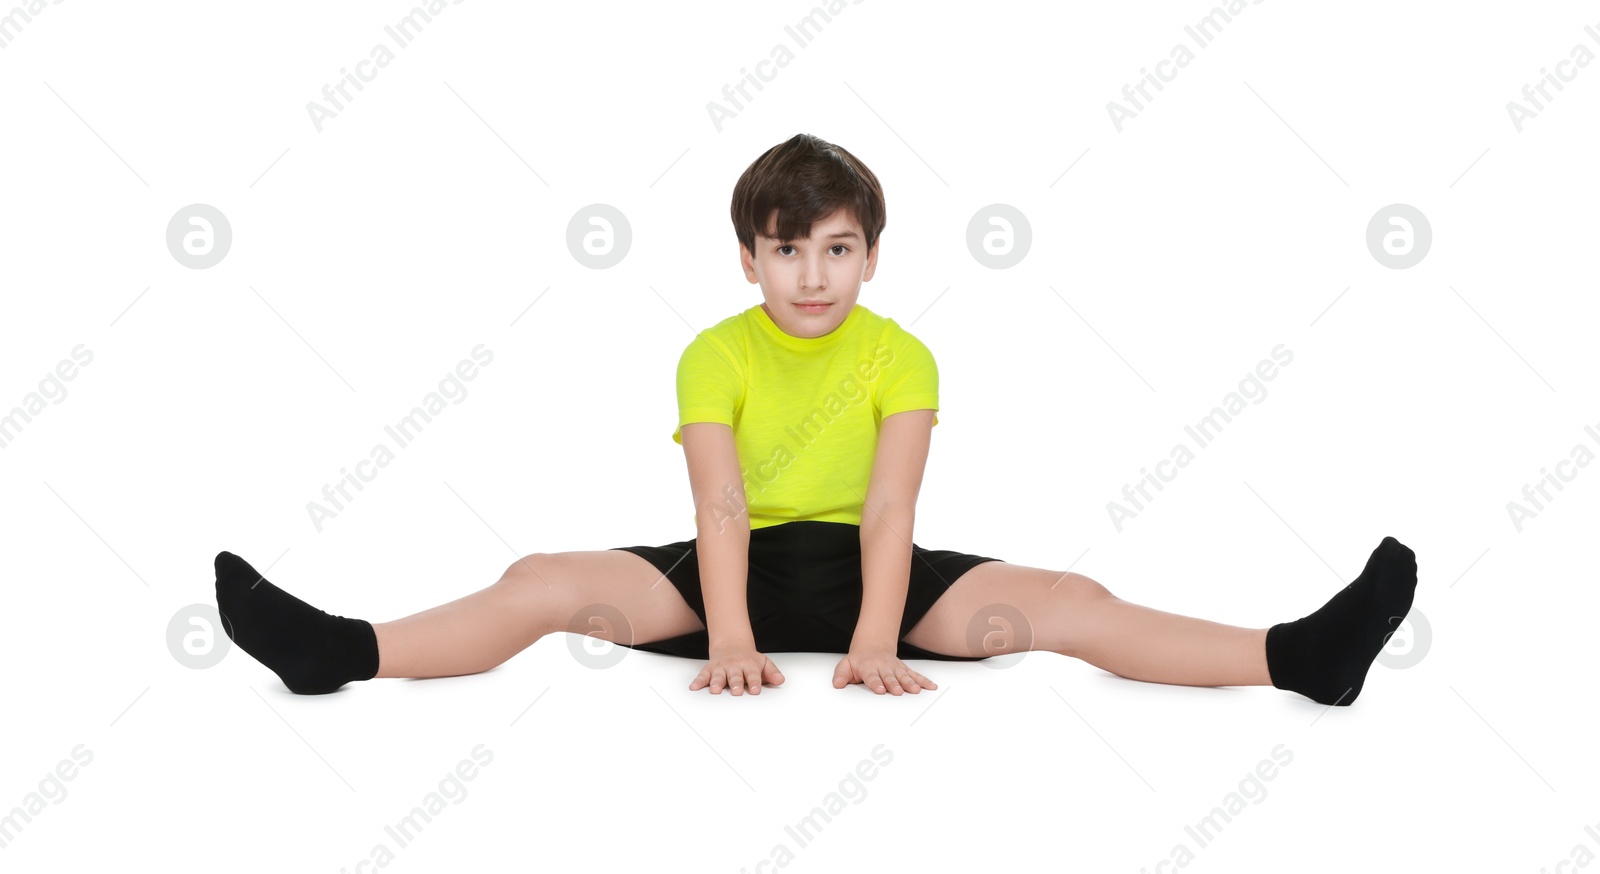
(710, 383)
(911, 378)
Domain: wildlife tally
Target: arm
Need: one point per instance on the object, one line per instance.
(886, 522)
(722, 527)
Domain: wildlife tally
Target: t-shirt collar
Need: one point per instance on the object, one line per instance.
(798, 344)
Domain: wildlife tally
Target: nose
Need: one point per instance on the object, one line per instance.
(814, 276)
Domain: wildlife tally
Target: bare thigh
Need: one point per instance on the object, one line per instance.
(611, 594)
(998, 607)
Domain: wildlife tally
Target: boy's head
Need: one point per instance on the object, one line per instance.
(808, 216)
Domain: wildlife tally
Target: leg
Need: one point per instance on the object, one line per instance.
(538, 594)
(1324, 655)
(314, 652)
(1073, 615)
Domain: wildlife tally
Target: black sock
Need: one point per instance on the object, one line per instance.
(1325, 656)
(311, 651)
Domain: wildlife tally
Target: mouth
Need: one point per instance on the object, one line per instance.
(813, 307)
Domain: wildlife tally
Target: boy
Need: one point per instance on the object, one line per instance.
(806, 423)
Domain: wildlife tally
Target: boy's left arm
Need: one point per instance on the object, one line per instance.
(887, 518)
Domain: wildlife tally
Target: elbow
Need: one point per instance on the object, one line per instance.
(720, 525)
(897, 519)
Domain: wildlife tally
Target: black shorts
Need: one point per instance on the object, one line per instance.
(804, 590)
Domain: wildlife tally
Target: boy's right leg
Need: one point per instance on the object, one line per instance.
(314, 652)
(538, 594)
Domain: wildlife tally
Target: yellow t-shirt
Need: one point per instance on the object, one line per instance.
(805, 411)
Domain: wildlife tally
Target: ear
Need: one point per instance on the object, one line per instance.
(872, 260)
(747, 261)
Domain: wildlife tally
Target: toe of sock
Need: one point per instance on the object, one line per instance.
(1406, 558)
(1394, 546)
(230, 566)
(1391, 558)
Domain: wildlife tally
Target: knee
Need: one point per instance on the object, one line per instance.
(535, 582)
(532, 569)
(1075, 622)
(1082, 588)
(531, 589)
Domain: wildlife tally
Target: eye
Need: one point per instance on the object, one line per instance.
(846, 249)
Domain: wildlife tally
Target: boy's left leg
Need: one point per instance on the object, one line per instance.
(1076, 616)
(1324, 655)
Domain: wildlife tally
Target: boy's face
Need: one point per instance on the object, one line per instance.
(828, 266)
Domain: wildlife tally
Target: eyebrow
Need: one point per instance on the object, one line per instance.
(841, 235)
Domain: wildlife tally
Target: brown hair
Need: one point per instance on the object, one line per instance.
(805, 179)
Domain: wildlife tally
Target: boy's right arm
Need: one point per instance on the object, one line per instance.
(722, 526)
(722, 529)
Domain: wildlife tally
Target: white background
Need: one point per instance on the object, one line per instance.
(1224, 219)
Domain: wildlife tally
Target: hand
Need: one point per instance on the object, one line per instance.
(876, 669)
(737, 668)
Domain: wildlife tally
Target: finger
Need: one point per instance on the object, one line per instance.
(894, 683)
(842, 674)
(873, 680)
(774, 677)
(719, 679)
(736, 680)
(702, 680)
(909, 681)
(753, 676)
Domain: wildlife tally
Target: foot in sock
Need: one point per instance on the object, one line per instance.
(1325, 656)
(312, 652)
